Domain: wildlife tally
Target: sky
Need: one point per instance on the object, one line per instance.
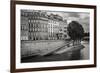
(82, 17)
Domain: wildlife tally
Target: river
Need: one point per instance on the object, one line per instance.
(85, 51)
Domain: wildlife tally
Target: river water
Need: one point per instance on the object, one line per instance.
(85, 51)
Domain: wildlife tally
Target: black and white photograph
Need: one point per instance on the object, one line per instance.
(51, 36)
(54, 35)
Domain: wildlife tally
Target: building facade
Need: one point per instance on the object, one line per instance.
(24, 25)
(38, 25)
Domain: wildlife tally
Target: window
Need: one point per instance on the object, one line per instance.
(65, 27)
(60, 29)
(65, 30)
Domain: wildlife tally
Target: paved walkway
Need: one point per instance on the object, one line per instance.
(32, 48)
(71, 53)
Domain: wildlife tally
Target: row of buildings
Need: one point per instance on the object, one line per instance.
(39, 25)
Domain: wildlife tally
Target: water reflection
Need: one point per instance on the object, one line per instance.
(85, 51)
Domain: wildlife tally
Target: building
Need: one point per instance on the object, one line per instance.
(38, 25)
(24, 25)
(63, 29)
(53, 27)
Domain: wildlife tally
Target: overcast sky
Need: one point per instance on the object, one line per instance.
(82, 17)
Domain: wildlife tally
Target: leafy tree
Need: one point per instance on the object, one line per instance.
(75, 31)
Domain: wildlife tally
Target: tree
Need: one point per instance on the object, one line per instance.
(75, 31)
